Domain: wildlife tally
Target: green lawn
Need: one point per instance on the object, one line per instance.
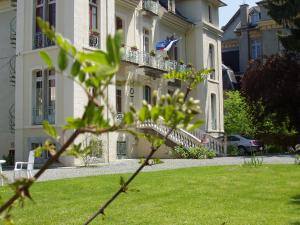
(231, 195)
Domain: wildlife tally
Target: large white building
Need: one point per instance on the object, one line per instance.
(40, 94)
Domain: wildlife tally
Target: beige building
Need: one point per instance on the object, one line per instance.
(249, 35)
(40, 94)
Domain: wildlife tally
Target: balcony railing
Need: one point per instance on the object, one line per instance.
(158, 62)
(151, 6)
(38, 115)
(131, 55)
(41, 41)
(94, 39)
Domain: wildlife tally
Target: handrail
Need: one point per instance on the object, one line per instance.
(184, 138)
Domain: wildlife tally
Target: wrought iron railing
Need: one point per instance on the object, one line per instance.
(94, 39)
(13, 33)
(38, 115)
(12, 119)
(151, 5)
(41, 41)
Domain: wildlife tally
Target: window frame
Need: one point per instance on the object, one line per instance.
(147, 94)
(213, 111)
(46, 110)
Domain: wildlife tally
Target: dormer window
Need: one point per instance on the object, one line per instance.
(254, 17)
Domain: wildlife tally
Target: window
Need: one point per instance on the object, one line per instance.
(147, 94)
(209, 14)
(213, 112)
(256, 50)
(119, 23)
(211, 61)
(121, 148)
(232, 138)
(146, 40)
(93, 22)
(44, 96)
(119, 101)
(94, 36)
(45, 9)
(173, 52)
(254, 17)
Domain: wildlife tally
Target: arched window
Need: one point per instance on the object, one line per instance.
(147, 94)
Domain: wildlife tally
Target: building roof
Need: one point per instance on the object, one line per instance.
(232, 19)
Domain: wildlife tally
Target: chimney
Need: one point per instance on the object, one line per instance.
(171, 5)
(244, 11)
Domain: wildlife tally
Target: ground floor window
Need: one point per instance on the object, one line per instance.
(121, 148)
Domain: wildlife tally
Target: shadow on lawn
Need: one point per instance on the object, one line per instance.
(296, 200)
(295, 223)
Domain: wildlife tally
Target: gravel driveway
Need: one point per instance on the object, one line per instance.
(130, 165)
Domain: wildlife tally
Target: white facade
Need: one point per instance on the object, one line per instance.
(40, 95)
(7, 77)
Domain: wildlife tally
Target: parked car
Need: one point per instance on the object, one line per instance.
(244, 143)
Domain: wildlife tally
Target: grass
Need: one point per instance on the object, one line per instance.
(231, 195)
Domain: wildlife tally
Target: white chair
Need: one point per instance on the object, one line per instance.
(19, 166)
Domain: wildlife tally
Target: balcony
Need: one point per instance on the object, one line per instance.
(151, 6)
(38, 115)
(41, 41)
(131, 55)
(151, 63)
(94, 39)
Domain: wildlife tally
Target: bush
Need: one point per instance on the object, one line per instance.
(151, 161)
(297, 159)
(194, 153)
(232, 150)
(274, 149)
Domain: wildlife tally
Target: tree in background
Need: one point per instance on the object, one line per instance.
(237, 114)
(273, 91)
(286, 13)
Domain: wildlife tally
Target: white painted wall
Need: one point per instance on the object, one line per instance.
(7, 52)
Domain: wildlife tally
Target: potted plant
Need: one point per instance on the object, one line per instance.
(134, 48)
(166, 58)
(152, 53)
(190, 65)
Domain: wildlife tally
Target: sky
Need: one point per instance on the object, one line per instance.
(228, 11)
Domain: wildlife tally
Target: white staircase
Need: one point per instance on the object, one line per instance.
(180, 137)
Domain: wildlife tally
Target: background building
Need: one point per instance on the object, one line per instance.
(250, 34)
(41, 94)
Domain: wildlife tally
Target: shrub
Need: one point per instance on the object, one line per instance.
(297, 159)
(194, 152)
(232, 150)
(151, 161)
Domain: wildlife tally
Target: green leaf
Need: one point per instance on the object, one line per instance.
(46, 58)
(81, 76)
(128, 118)
(75, 68)
(62, 60)
(143, 114)
(195, 125)
(155, 112)
(49, 129)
